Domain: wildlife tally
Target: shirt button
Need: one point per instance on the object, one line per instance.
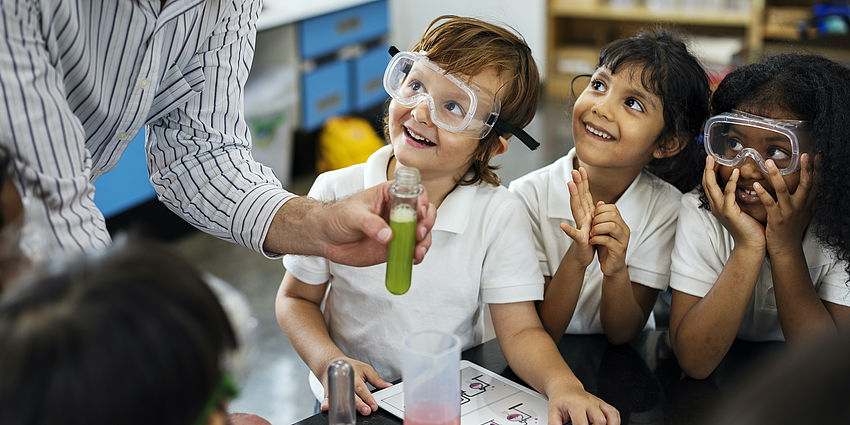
(122, 135)
(144, 84)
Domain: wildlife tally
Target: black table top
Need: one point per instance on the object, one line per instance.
(641, 379)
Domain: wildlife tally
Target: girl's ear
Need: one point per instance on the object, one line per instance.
(502, 147)
(668, 146)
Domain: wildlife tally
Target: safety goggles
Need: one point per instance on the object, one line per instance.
(458, 106)
(731, 137)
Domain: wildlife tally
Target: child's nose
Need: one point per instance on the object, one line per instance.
(750, 169)
(600, 107)
(421, 113)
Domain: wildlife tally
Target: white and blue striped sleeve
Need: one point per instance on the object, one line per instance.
(44, 135)
(199, 154)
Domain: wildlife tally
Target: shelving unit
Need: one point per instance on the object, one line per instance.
(578, 29)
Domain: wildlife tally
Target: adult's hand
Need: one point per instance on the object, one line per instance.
(352, 231)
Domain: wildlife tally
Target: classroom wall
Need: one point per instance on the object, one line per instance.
(408, 19)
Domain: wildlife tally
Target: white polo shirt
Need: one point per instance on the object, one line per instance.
(649, 207)
(481, 252)
(702, 248)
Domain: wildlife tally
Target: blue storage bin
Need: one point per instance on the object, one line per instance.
(325, 92)
(126, 185)
(368, 78)
(327, 33)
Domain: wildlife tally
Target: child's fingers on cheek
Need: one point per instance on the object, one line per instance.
(731, 186)
(765, 197)
(808, 183)
(709, 179)
(777, 181)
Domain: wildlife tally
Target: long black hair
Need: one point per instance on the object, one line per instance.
(817, 90)
(132, 335)
(671, 72)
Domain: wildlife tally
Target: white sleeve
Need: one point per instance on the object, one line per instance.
(835, 287)
(695, 262)
(649, 262)
(510, 272)
(527, 193)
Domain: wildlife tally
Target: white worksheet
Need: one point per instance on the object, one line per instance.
(485, 399)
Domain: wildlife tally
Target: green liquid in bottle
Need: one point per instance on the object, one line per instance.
(400, 249)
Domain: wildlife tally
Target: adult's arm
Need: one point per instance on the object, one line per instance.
(45, 138)
(201, 166)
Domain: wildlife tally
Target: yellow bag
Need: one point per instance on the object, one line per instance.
(346, 141)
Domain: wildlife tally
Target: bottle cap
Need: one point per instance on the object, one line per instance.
(341, 393)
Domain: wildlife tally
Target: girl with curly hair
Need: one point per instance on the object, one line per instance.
(761, 249)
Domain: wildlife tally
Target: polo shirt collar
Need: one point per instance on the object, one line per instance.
(629, 203)
(453, 214)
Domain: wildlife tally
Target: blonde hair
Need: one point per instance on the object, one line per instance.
(469, 46)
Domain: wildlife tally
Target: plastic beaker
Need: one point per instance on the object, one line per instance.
(431, 375)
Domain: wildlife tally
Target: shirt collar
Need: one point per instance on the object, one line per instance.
(629, 203)
(173, 8)
(453, 214)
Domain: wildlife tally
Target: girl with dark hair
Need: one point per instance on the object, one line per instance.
(761, 250)
(615, 194)
(132, 335)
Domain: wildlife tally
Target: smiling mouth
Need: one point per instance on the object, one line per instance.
(747, 195)
(417, 138)
(597, 132)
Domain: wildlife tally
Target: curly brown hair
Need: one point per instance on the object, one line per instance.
(468, 46)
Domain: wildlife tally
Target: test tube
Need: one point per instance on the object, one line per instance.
(341, 393)
(405, 191)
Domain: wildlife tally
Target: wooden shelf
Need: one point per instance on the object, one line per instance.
(644, 14)
(575, 27)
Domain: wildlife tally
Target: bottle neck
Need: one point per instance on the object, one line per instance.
(406, 182)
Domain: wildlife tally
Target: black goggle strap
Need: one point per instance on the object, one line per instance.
(502, 127)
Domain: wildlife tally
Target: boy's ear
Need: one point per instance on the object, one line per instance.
(669, 146)
(503, 145)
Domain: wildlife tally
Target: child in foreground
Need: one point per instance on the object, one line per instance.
(768, 260)
(132, 335)
(616, 194)
(463, 77)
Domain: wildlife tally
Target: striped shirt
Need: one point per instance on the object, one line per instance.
(79, 78)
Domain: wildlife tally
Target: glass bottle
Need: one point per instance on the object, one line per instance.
(341, 394)
(403, 217)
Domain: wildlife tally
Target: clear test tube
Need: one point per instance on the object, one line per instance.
(341, 394)
(405, 191)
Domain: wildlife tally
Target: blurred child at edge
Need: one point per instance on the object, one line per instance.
(482, 248)
(130, 335)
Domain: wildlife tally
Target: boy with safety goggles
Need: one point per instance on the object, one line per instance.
(768, 260)
(470, 86)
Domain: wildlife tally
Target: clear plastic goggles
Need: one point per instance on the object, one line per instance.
(731, 137)
(458, 106)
